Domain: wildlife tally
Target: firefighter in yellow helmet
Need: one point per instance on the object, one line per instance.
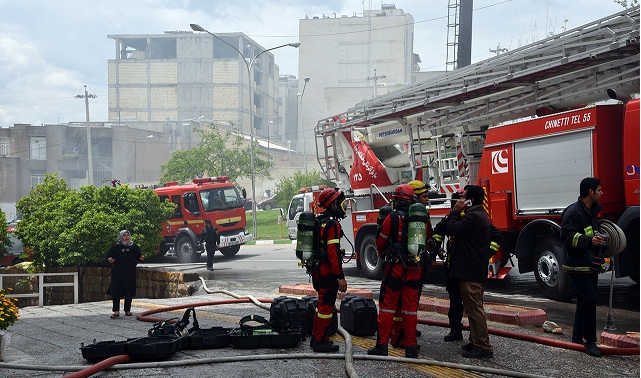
(398, 333)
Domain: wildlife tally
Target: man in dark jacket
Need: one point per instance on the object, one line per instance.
(583, 261)
(455, 312)
(211, 237)
(468, 263)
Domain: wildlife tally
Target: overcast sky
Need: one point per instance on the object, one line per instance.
(50, 49)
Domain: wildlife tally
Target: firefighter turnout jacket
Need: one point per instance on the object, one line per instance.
(326, 274)
(578, 225)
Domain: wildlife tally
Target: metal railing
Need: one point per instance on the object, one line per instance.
(42, 285)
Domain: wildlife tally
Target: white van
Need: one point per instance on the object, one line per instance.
(305, 200)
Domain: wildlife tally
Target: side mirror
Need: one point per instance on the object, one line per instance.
(244, 192)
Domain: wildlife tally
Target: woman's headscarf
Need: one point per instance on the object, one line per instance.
(122, 232)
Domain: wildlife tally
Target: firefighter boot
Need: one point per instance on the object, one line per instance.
(378, 350)
(411, 351)
(324, 346)
(455, 334)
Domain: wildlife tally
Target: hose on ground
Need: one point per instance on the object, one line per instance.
(539, 339)
(267, 357)
(119, 362)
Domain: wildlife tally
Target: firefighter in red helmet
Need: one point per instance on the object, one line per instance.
(398, 333)
(327, 276)
(402, 278)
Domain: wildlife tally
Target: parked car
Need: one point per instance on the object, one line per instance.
(268, 204)
(15, 252)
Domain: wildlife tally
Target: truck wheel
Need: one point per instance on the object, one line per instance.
(552, 280)
(186, 251)
(267, 206)
(371, 263)
(230, 251)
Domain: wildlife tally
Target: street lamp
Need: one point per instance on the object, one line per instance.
(249, 65)
(300, 120)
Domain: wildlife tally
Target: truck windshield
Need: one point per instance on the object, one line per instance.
(220, 199)
(295, 207)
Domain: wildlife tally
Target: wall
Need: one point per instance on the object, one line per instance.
(150, 283)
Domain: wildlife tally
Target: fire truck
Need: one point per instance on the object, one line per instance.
(523, 125)
(213, 198)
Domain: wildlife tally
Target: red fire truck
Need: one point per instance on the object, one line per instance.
(516, 124)
(213, 198)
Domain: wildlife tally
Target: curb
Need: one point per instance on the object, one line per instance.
(269, 242)
(306, 289)
(627, 340)
(499, 313)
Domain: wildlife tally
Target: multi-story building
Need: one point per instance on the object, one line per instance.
(183, 75)
(351, 58)
(119, 152)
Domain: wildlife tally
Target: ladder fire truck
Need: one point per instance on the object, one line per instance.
(213, 198)
(516, 124)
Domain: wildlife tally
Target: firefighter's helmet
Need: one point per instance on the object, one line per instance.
(418, 186)
(404, 195)
(330, 196)
(327, 197)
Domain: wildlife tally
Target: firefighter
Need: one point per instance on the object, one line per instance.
(582, 250)
(327, 276)
(402, 276)
(398, 334)
(455, 312)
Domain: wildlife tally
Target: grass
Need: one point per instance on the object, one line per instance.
(267, 226)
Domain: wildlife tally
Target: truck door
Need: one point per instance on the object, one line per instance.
(296, 207)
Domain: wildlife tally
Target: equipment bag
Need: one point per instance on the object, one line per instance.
(171, 327)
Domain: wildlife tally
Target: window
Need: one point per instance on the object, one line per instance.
(191, 203)
(38, 148)
(220, 199)
(4, 149)
(37, 180)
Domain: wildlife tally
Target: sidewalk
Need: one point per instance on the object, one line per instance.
(46, 340)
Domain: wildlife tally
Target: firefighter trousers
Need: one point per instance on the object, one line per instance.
(327, 288)
(404, 283)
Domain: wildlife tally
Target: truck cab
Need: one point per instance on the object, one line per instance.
(304, 201)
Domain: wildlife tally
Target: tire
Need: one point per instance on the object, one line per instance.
(553, 281)
(371, 263)
(186, 250)
(230, 251)
(268, 206)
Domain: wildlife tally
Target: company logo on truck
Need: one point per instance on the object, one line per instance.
(386, 133)
(499, 162)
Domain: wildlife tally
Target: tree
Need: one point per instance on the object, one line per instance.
(218, 154)
(290, 185)
(65, 227)
(5, 243)
(76, 227)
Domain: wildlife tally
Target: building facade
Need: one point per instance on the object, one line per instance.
(182, 76)
(351, 58)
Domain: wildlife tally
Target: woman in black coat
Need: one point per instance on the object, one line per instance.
(124, 256)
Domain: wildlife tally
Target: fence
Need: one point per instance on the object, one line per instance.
(42, 285)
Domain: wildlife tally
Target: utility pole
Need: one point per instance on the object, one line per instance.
(498, 49)
(89, 154)
(375, 78)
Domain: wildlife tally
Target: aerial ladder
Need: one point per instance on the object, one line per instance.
(560, 72)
